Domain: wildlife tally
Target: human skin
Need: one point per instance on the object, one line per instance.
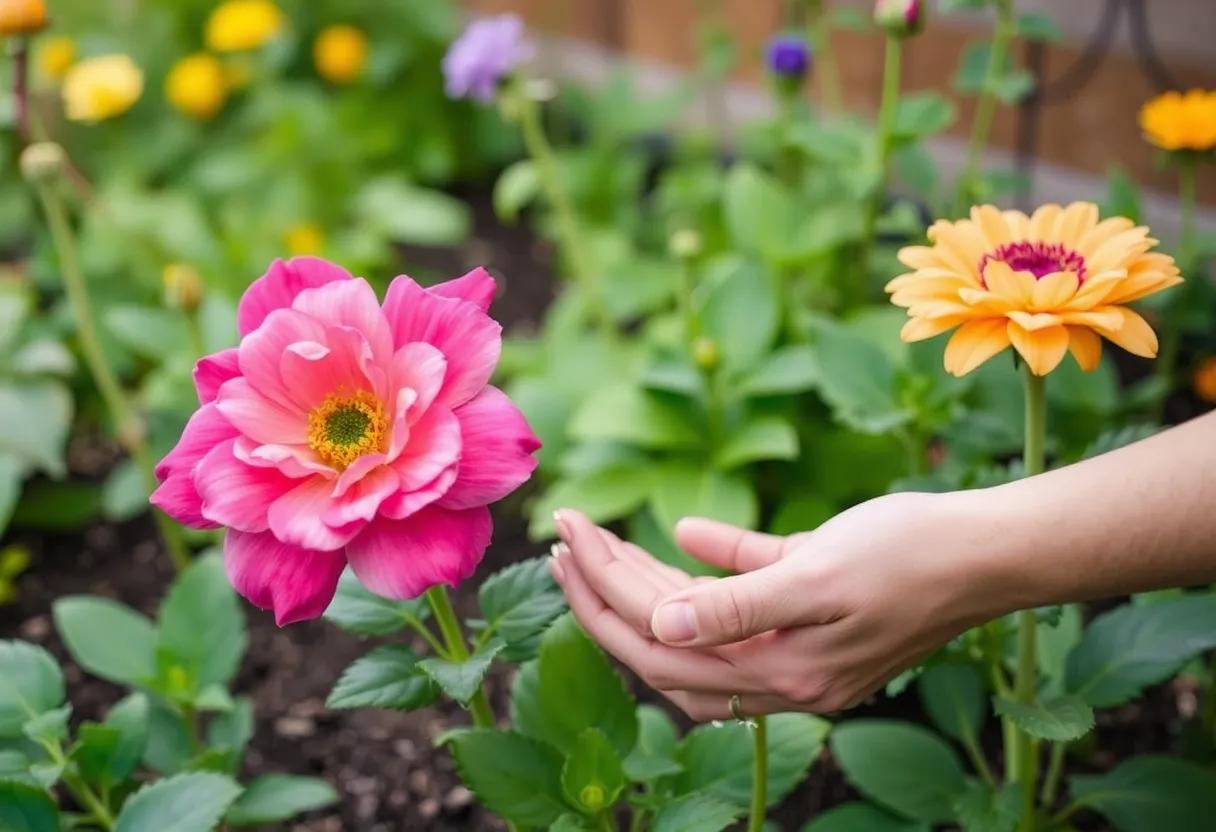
(818, 621)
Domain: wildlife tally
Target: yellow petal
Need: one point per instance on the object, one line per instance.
(1030, 323)
(1019, 225)
(1075, 220)
(1102, 232)
(1120, 250)
(1053, 290)
(1096, 288)
(1085, 346)
(1043, 222)
(974, 343)
(918, 329)
(985, 301)
(991, 224)
(1134, 334)
(1102, 317)
(1017, 287)
(1043, 349)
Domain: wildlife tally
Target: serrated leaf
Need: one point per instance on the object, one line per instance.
(695, 813)
(518, 603)
(387, 677)
(1111, 440)
(201, 623)
(192, 802)
(980, 809)
(358, 610)
(30, 684)
(592, 777)
(516, 776)
(461, 680)
(273, 798)
(1060, 720)
(653, 756)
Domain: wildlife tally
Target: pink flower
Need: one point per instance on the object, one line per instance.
(342, 431)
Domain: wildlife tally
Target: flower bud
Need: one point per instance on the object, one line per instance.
(22, 17)
(339, 53)
(1203, 382)
(42, 162)
(183, 286)
(900, 18)
(684, 244)
(788, 56)
(55, 57)
(705, 353)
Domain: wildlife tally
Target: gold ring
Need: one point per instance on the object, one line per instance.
(736, 708)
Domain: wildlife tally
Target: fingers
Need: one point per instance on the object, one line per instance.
(728, 547)
(707, 707)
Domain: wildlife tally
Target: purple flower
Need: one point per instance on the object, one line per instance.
(788, 56)
(483, 55)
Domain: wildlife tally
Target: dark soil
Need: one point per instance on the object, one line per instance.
(383, 763)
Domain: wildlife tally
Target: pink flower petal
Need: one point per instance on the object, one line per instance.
(419, 367)
(311, 371)
(213, 370)
(259, 418)
(294, 461)
(297, 517)
(177, 495)
(237, 495)
(261, 353)
(477, 287)
(278, 288)
(497, 448)
(296, 583)
(352, 304)
(404, 558)
(404, 503)
(434, 444)
(470, 340)
(359, 502)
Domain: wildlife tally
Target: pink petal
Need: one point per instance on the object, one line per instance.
(404, 503)
(469, 339)
(311, 371)
(279, 286)
(177, 495)
(359, 502)
(434, 444)
(213, 370)
(259, 418)
(477, 287)
(261, 353)
(419, 367)
(237, 495)
(294, 461)
(297, 517)
(497, 448)
(404, 558)
(352, 304)
(296, 583)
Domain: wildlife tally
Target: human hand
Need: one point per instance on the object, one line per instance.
(813, 622)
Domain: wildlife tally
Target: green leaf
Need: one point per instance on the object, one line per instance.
(461, 680)
(1039, 27)
(862, 817)
(1149, 794)
(603, 495)
(571, 687)
(273, 798)
(740, 313)
(36, 441)
(980, 809)
(787, 370)
(407, 213)
(592, 777)
(902, 766)
(1052, 646)
(107, 639)
(857, 379)
(629, 414)
(516, 776)
(954, 697)
(759, 438)
(920, 115)
(516, 187)
(12, 472)
(1133, 646)
(49, 726)
(168, 748)
(26, 808)
(387, 677)
(232, 729)
(1013, 86)
(1122, 196)
(518, 603)
(1115, 438)
(30, 684)
(124, 496)
(653, 756)
(718, 759)
(695, 813)
(684, 490)
(148, 331)
(358, 610)
(185, 803)
(201, 623)
(760, 213)
(108, 753)
(1060, 720)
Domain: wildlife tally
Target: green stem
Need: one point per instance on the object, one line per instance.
(985, 106)
(882, 152)
(1025, 770)
(638, 822)
(127, 425)
(755, 822)
(976, 755)
(1171, 332)
(819, 32)
(194, 332)
(458, 650)
(1055, 768)
(569, 235)
(78, 788)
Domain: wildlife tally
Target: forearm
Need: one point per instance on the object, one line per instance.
(1139, 518)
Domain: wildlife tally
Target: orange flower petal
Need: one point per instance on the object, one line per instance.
(1102, 232)
(918, 329)
(1120, 250)
(1043, 349)
(1052, 290)
(1074, 221)
(1019, 225)
(1103, 317)
(974, 343)
(1043, 222)
(1017, 287)
(1085, 346)
(991, 224)
(1134, 334)
(1030, 323)
(985, 301)
(1095, 289)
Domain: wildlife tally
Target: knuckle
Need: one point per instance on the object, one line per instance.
(729, 613)
(803, 688)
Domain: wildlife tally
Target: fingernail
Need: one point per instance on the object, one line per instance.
(555, 564)
(675, 623)
(563, 527)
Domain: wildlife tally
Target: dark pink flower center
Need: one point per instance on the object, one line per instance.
(1038, 258)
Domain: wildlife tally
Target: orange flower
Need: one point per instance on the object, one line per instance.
(1174, 121)
(1204, 380)
(22, 17)
(1047, 284)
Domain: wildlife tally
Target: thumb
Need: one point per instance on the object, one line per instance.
(732, 609)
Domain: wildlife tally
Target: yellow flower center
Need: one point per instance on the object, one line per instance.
(345, 427)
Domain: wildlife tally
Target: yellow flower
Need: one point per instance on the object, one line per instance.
(239, 25)
(197, 85)
(1203, 382)
(55, 57)
(339, 53)
(1047, 284)
(100, 88)
(1174, 121)
(183, 286)
(22, 17)
(304, 238)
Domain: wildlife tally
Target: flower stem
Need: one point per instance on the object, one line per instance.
(21, 97)
(458, 650)
(882, 152)
(1025, 758)
(755, 822)
(127, 424)
(985, 106)
(569, 235)
(1171, 332)
(819, 32)
(1051, 782)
